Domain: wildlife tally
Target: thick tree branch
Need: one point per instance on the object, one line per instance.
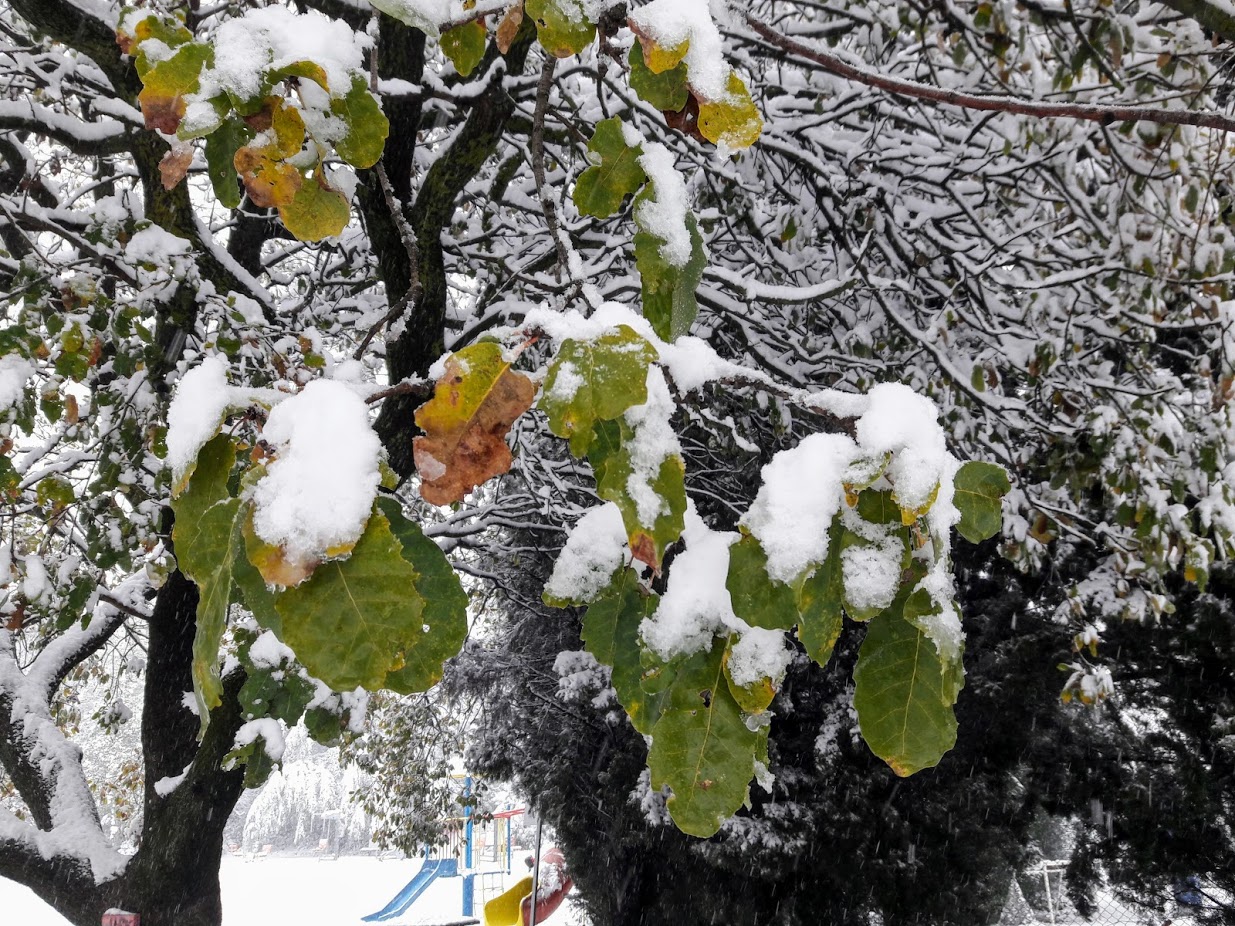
(1217, 20)
(80, 137)
(1091, 112)
(58, 658)
(45, 767)
(58, 879)
(422, 339)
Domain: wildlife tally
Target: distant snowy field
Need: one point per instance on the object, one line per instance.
(303, 891)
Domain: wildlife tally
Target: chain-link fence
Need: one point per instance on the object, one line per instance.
(1039, 898)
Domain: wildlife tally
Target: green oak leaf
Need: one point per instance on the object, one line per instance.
(919, 606)
(221, 148)
(757, 598)
(611, 634)
(655, 680)
(317, 211)
(562, 26)
(615, 172)
(701, 746)
(351, 621)
(821, 601)
(669, 292)
(878, 506)
(610, 457)
(980, 488)
(284, 697)
(256, 760)
(597, 380)
(168, 30)
(166, 84)
(324, 725)
(307, 70)
(904, 694)
(667, 91)
(863, 473)
(465, 45)
(367, 125)
(444, 621)
(205, 543)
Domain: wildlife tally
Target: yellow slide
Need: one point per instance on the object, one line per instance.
(507, 909)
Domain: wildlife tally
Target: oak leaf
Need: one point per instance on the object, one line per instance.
(175, 164)
(508, 28)
(474, 404)
(270, 180)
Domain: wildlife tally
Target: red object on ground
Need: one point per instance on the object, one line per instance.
(555, 884)
(118, 918)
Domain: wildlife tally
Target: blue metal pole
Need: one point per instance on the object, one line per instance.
(469, 879)
(509, 844)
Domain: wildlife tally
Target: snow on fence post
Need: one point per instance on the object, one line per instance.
(120, 918)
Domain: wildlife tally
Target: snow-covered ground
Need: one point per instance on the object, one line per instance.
(304, 891)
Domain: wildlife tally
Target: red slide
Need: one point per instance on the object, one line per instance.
(555, 884)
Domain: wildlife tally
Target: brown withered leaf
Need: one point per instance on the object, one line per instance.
(17, 619)
(508, 28)
(686, 120)
(162, 113)
(466, 422)
(175, 164)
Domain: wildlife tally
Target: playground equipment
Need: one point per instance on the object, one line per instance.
(534, 899)
(470, 845)
(432, 869)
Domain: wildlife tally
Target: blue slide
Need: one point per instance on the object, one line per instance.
(433, 868)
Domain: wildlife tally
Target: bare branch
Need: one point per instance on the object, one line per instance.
(543, 88)
(1091, 112)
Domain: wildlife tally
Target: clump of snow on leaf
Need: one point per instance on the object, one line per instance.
(14, 372)
(425, 15)
(267, 652)
(269, 730)
(654, 442)
(670, 23)
(899, 421)
(872, 574)
(274, 37)
(944, 625)
(665, 216)
(757, 655)
(695, 604)
(202, 399)
(593, 552)
(801, 493)
(316, 495)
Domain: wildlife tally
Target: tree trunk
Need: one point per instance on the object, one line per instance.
(174, 878)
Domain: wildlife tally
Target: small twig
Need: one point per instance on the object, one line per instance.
(109, 599)
(538, 161)
(909, 88)
(395, 311)
(416, 387)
